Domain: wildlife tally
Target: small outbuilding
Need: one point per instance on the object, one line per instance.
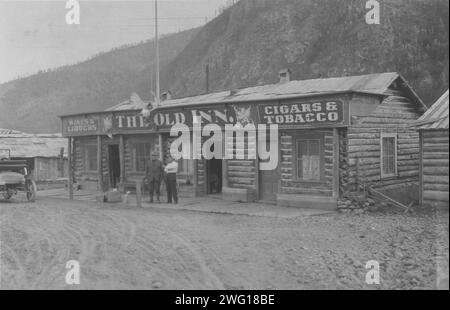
(46, 154)
(434, 151)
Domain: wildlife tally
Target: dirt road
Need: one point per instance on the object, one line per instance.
(129, 248)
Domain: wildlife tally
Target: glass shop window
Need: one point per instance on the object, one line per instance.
(141, 154)
(308, 162)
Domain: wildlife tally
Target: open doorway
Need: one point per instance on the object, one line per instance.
(214, 176)
(114, 165)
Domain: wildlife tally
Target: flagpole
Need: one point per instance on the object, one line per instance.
(158, 95)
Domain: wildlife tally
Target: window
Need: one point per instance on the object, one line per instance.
(90, 157)
(141, 154)
(308, 160)
(388, 155)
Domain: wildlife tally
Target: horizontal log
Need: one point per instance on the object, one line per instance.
(436, 171)
(435, 179)
(363, 148)
(311, 191)
(405, 169)
(434, 133)
(368, 141)
(435, 162)
(437, 140)
(435, 155)
(436, 195)
(408, 151)
(241, 168)
(396, 181)
(241, 180)
(235, 174)
(355, 154)
(361, 136)
(409, 173)
(236, 162)
(436, 187)
(429, 147)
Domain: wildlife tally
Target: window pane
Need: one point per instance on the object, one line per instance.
(300, 168)
(388, 155)
(314, 147)
(302, 148)
(308, 160)
(91, 158)
(141, 155)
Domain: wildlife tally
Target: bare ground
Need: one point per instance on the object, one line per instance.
(129, 248)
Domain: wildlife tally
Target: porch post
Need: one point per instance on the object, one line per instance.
(161, 151)
(336, 184)
(99, 164)
(195, 177)
(224, 167)
(70, 172)
(257, 168)
(122, 159)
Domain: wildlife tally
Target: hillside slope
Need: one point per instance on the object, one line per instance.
(247, 45)
(250, 43)
(33, 104)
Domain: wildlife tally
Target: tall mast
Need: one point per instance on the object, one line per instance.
(158, 91)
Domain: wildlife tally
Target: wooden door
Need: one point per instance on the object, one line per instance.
(268, 181)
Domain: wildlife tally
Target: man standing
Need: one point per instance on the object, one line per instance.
(171, 172)
(154, 174)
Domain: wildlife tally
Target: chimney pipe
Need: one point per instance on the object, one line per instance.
(285, 76)
(166, 96)
(207, 78)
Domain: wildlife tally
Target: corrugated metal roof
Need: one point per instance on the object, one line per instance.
(437, 115)
(372, 84)
(32, 145)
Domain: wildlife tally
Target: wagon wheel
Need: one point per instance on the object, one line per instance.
(31, 190)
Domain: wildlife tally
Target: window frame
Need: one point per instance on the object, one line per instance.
(384, 135)
(86, 156)
(133, 151)
(321, 139)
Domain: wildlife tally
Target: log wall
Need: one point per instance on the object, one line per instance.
(88, 178)
(288, 184)
(435, 166)
(362, 146)
(241, 173)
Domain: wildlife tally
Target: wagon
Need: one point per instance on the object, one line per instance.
(14, 178)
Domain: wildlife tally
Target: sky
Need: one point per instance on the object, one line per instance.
(34, 34)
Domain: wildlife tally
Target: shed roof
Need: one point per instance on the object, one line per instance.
(32, 145)
(376, 84)
(436, 117)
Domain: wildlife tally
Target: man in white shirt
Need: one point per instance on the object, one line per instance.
(171, 170)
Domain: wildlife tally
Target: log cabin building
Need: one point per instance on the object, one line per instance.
(334, 135)
(45, 154)
(434, 151)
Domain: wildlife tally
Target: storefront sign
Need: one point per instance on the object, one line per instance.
(162, 119)
(309, 113)
(80, 126)
(243, 114)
